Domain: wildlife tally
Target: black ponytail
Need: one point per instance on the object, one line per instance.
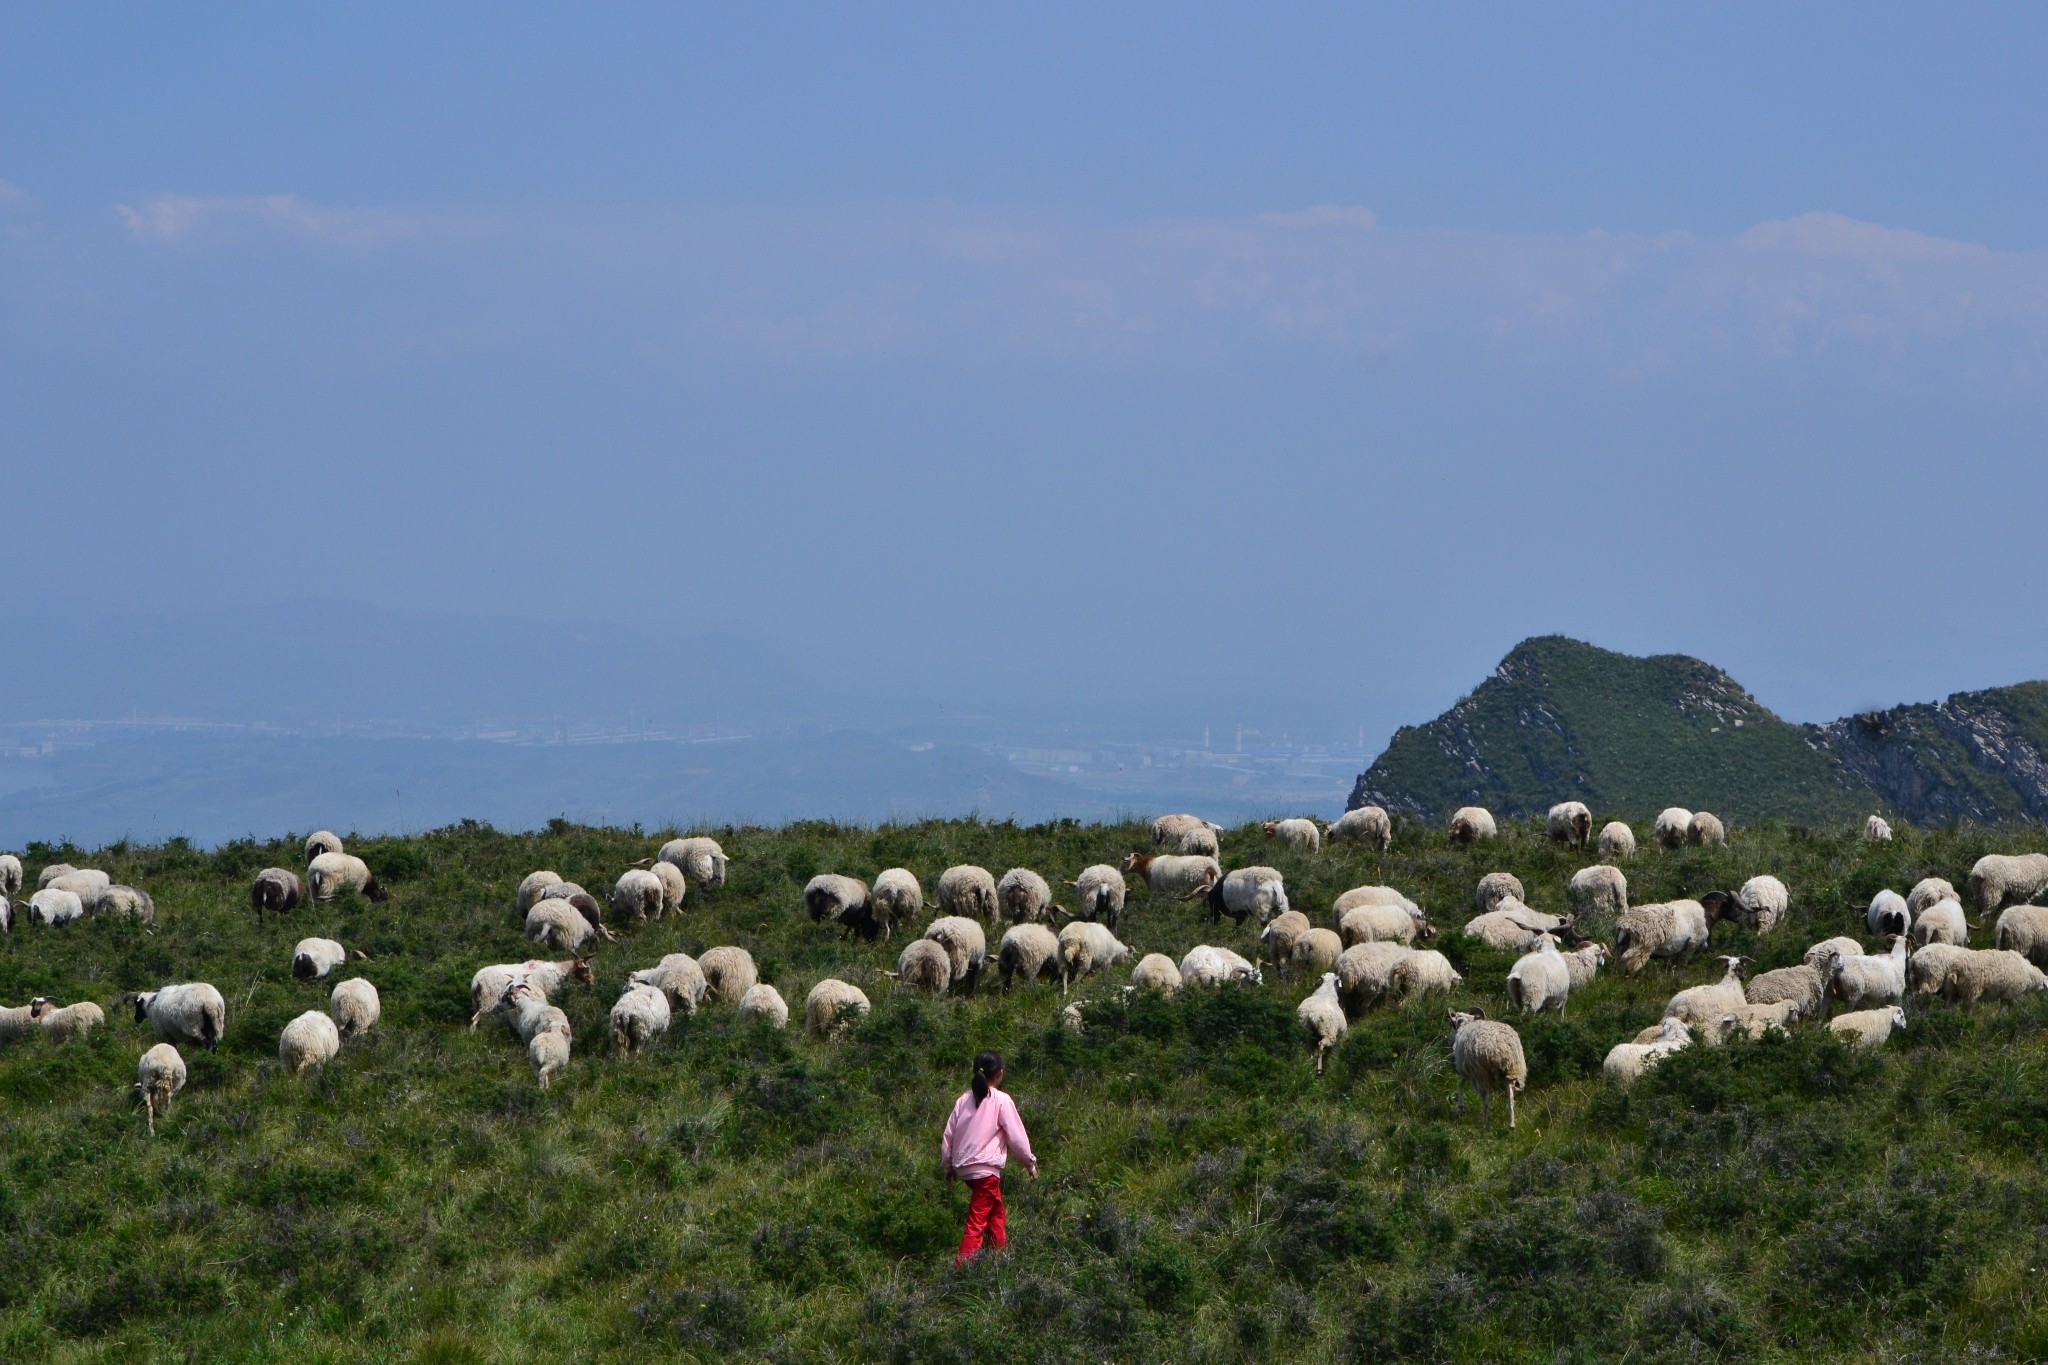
(987, 1066)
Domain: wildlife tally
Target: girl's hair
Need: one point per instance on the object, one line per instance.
(987, 1066)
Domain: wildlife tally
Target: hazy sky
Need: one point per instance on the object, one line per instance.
(1291, 360)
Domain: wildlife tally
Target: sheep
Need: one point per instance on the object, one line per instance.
(314, 958)
(675, 887)
(561, 927)
(966, 949)
(330, 872)
(1208, 966)
(1992, 974)
(1248, 891)
(699, 858)
(1419, 973)
(1301, 835)
(1877, 830)
(678, 977)
(1488, 1057)
(1470, 824)
(1871, 978)
(1322, 1018)
(763, 1004)
(1941, 922)
(10, 874)
(967, 892)
(1316, 949)
(86, 884)
(1626, 1062)
(1599, 889)
(1369, 895)
(923, 967)
(639, 1018)
(1887, 914)
(189, 1013)
(1821, 955)
(1156, 972)
(1365, 974)
(727, 974)
(308, 1041)
(355, 1007)
(1365, 825)
(1276, 940)
(1583, 963)
(1099, 895)
(1927, 970)
(1803, 987)
(51, 872)
(1073, 1020)
(1706, 830)
(1867, 1028)
(1927, 891)
(276, 889)
(1023, 896)
(1757, 1020)
(527, 1013)
(53, 906)
(1673, 827)
(1172, 875)
(1514, 927)
(158, 1076)
(548, 1054)
(532, 887)
(1764, 901)
(638, 895)
(896, 898)
(1998, 880)
(2024, 929)
(116, 901)
(1702, 1006)
(1186, 834)
(73, 1022)
(322, 841)
(1617, 841)
(488, 986)
(1494, 889)
(1673, 929)
(19, 1021)
(1539, 979)
(1027, 951)
(1569, 823)
(1384, 924)
(7, 914)
(1086, 947)
(841, 899)
(834, 1008)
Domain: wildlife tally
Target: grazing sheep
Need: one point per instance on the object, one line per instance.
(123, 902)
(1764, 902)
(1626, 1062)
(560, 926)
(1186, 834)
(1156, 972)
(189, 1013)
(678, 977)
(1170, 874)
(1369, 895)
(1927, 970)
(10, 875)
(86, 884)
(1470, 824)
(727, 974)
(1569, 823)
(7, 914)
(72, 1023)
(841, 899)
(51, 872)
(1877, 830)
(1887, 914)
(158, 1076)
(330, 872)
(1514, 928)
(1674, 930)
(1086, 947)
(1583, 963)
(527, 1013)
(966, 891)
(638, 895)
(1073, 1020)
(763, 1004)
(1208, 966)
(52, 906)
(1867, 1028)
(1276, 940)
(1803, 987)
(896, 899)
(314, 958)
(322, 841)
(675, 887)
(1322, 1018)
(1992, 974)
(1871, 978)
(639, 1018)
(1316, 949)
(1673, 827)
(1023, 896)
(1706, 830)
(1600, 889)
(489, 985)
(277, 890)
(966, 949)
(1365, 974)
(307, 1041)
(1099, 895)
(1496, 889)
(1702, 1006)
(1998, 879)
(1941, 922)
(834, 1008)
(1028, 951)
(1757, 1020)
(1248, 891)
(923, 967)
(354, 1007)
(1539, 980)
(1296, 834)
(19, 1021)
(1421, 972)
(548, 1054)
(1821, 955)
(1488, 1057)
(532, 887)
(1617, 841)
(2024, 929)
(1365, 825)
(698, 857)
(1927, 891)
(1384, 924)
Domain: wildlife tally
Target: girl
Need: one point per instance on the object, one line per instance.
(982, 1134)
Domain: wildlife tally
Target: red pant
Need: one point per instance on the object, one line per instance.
(984, 1211)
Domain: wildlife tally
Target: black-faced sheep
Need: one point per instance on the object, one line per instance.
(193, 1012)
(331, 873)
(276, 890)
(1244, 893)
(322, 841)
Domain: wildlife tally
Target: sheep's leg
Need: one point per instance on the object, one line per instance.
(1461, 1094)
(1511, 1106)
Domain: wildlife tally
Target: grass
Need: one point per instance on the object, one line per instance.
(738, 1194)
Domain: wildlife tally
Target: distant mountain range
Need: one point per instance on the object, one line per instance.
(1560, 719)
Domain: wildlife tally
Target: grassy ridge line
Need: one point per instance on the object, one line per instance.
(739, 1194)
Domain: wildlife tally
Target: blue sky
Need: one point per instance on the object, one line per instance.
(1286, 363)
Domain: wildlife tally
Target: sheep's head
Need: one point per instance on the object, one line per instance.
(142, 1002)
(1270, 826)
(579, 970)
(1719, 905)
(1424, 930)
(374, 889)
(39, 1007)
(1134, 862)
(1898, 1017)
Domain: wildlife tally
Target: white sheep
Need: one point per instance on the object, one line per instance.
(276, 889)
(355, 1007)
(1999, 879)
(158, 1076)
(967, 892)
(1099, 894)
(675, 887)
(1927, 970)
(1583, 963)
(1821, 956)
(1626, 1062)
(1186, 834)
(896, 898)
(1421, 972)
(1941, 922)
(1871, 978)
(728, 972)
(548, 1054)
(1887, 914)
(834, 1008)
(20, 1021)
(1246, 892)
(84, 883)
(1301, 835)
(638, 895)
(1539, 980)
(1369, 895)
(1495, 889)
(966, 948)
(2024, 929)
(1803, 987)
(1673, 827)
(73, 1023)
(123, 902)
(1617, 841)
(1168, 874)
(1488, 1057)
(558, 925)
(1366, 825)
(1322, 1018)
(763, 1004)
(1927, 891)
(1877, 830)
(527, 1013)
(8, 910)
(1706, 830)
(1674, 930)
(192, 1012)
(1384, 924)
(1569, 823)
(322, 841)
(1027, 951)
(678, 977)
(1023, 896)
(639, 1018)
(1867, 1028)
(10, 875)
(1086, 947)
(314, 958)
(1703, 1006)
(1765, 902)
(843, 900)
(307, 1041)
(1514, 927)
(330, 873)
(1276, 940)
(488, 986)
(1470, 824)
(699, 858)
(1210, 967)
(53, 906)
(532, 887)
(1365, 974)
(1992, 974)
(1757, 1020)
(1601, 889)
(1156, 972)
(923, 967)
(52, 871)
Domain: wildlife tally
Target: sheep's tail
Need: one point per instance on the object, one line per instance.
(210, 1027)
(1515, 992)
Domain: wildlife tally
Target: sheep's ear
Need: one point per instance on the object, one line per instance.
(1476, 1012)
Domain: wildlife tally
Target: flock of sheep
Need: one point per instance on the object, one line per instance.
(1372, 954)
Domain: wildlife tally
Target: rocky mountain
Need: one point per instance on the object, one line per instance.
(1561, 719)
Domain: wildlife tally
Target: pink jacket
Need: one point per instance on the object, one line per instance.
(980, 1139)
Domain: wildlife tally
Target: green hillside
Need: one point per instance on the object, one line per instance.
(744, 1195)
